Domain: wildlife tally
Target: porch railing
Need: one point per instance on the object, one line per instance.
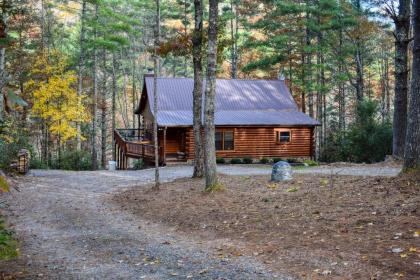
(133, 134)
(128, 140)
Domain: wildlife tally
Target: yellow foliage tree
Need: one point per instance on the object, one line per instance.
(54, 93)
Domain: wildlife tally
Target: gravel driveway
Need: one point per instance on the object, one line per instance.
(357, 170)
(68, 230)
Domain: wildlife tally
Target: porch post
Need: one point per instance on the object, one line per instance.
(164, 145)
(121, 159)
(117, 156)
(114, 152)
(138, 126)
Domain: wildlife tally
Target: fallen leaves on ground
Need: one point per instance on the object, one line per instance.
(363, 228)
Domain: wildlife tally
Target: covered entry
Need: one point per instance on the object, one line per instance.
(174, 143)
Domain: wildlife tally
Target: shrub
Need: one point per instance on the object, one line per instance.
(13, 138)
(220, 160)
(277, 160)
(310, 162)
(236, 161)
(73, 160)
(367, 140)
(8, 248)
(247, 160)
(138, 164)
(292, 160)
(36, 163)
(264, 160)
(336, 147)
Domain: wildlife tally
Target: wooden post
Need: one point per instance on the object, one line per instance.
(121, 159)
(117, 159)
(138, 123)
(164, 146)
(114, 152)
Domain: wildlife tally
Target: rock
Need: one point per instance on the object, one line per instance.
(397, 250)
(282, 171)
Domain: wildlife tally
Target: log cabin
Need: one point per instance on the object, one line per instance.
(253, 118)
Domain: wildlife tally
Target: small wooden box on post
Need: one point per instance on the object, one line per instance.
(23, 161)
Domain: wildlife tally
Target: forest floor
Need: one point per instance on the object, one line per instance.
(310, 228)
(108, 225)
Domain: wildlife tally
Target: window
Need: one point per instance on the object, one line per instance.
(283, 136)
(225, 140)
(219, 140)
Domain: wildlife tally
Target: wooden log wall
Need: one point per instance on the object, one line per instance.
(259, 142)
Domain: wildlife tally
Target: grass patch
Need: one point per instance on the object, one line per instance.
(298, 167)
(215, 188)
(4, 186)
(8, 246)
(310, 162)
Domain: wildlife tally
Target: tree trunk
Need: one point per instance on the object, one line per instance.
(303, 87)
(412, 145)
(359, 60)
(42, 25)
(134, 90)
(44, 145)
(3, 78)
(233, 36)
(209, 103)
(185, 34)
(94, 98)
(155, 95)
(103, 114)
(320, 91)
(388, 95)
(402, 33)
(341, 90)
(113, 106)
(3, 73)
(385, 87)
(308, 72)
(80, 70)
(124, 111)
(359, 73)
(198, 88)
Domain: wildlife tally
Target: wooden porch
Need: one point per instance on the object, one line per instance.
(137, 144)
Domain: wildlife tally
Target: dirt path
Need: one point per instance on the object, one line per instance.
(68, 230)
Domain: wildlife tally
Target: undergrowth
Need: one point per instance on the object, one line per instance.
(215, 188)
(8, 246)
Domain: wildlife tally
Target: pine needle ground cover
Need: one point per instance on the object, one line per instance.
(351, 228)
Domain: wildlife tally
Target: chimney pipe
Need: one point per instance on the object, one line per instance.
(149, 73)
